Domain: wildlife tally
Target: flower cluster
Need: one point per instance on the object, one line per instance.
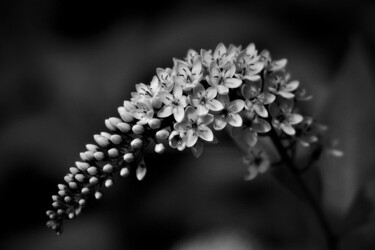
(246, 91)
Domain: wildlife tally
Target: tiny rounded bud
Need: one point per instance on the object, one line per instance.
(113, 152)
(89, 155)
(79, 177)
(115, 139)
(141, 173)
(124, 172)
(109, 125)
(61, 186)
(49, 212)
(99, 156)
(123, 127)
(92, 170)
(138, 129)
(125, 115)
(136, 143)
(129, 157)
(62, 193)
(85, 190)
(82, 202)
(105, 135)
(67, 199)
(91, 147)
(93, 180)
(114, 121)
(71, 215)
(108, 168)
(162, 134)
(68, 178)
(159, 148)
(60, 211)
(101, 140)
(108, 183)
(73, 185)
(98, 195)
(83, 166)
(83, 156)
(74, 170)
(154, 123)
(56, 204)
(55, 198)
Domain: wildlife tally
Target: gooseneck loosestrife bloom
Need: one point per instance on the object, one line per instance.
(240, 89)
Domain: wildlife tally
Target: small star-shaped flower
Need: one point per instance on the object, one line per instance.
(229, 114)
(204, 99)
(223, 79)
(188, 77)
(173, 104)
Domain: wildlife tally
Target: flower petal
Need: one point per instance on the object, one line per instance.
(178, 113)
(183, 70)
(255, 68)
(205, 133)
(251, 138)
(183, 126)
(286, 94)
(260, 110)
(224, 99)
(252, 78)
(236, 106)
(211, 93)
(177, 91)
(206, 58)
(278, 65)
(205, 119)
(197, 68)
(191, 114)
(220, 51)
(291, 86)
(261, 126)
(214, 105)
(199, 91)
(191, 138)
(201, 109)
(219, 123)
(234, 119)
(287, 128)
(266, 98)
(166, 97)
(165, 111)
(222, 90)
(229, 71)
(295, 119)
(232, 82)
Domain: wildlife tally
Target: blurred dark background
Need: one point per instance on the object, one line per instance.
(65, 66)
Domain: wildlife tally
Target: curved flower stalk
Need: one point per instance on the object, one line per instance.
(182, 107)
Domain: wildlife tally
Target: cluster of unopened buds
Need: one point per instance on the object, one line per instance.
(239, 89)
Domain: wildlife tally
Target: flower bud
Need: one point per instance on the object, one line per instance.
(89, 155)
(60, 211)
(101, 140)
(73, 185)
(92, 170)
(129, 157)
(124, 127)
(74, 170)
(109, 125)
(55, 198)
(125, 115)
(92, 147)
(113, 152)
(67, 199)
(93, 180)
(79, 177)
(83, 166)
(138, 129)
(162, 134)
(61, 186)
(154, 123)
(85, 190)
(99, 156)
(82, 202)
(124, 172)
(159, 148)
(105, 135)
(114, 121)
(136, 143)
(68, 178)
(115, 139)
(98, 195)
(108, 168)
(62, 193)
(140, 173)
(71, 215)
(83, 156)
(108, 183)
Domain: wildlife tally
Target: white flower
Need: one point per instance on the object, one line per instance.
(257, 161)
(188, 77)
(143, 111)
(204, 99)
(177, 140)
(229, 114)
(223, 79)
(220, 56)
(149, 92)
(165, 79)
(174, 103)
(195, 126)
(255, 99)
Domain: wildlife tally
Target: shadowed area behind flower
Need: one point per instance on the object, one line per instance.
(57, 93)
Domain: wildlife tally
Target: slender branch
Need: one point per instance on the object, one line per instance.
(332, 240)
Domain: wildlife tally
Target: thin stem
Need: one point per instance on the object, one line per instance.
(331, 238)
